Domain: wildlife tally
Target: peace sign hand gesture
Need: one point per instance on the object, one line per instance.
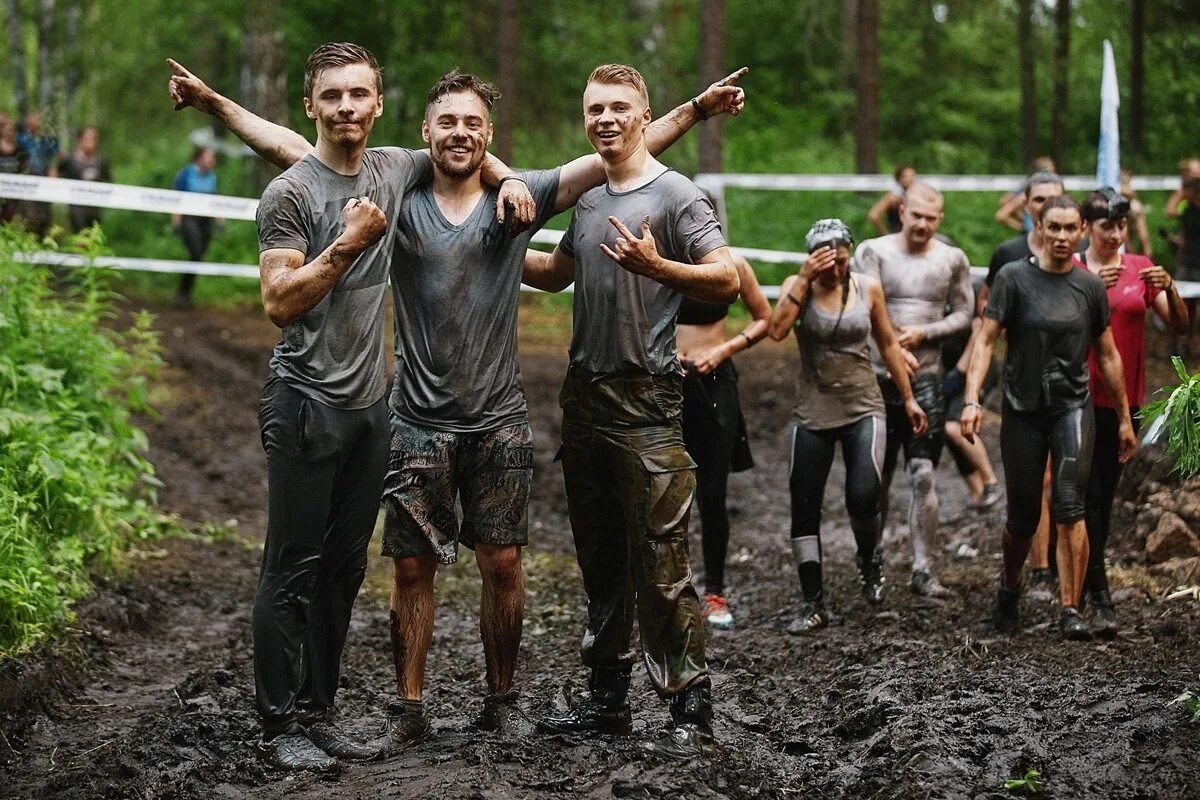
(639, 256)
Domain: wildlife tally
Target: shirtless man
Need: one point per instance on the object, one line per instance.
(460, 425)
(634, 247)
(921, 276)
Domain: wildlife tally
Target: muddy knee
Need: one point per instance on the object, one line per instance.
(499, 565)
(413, 571)
(920, 473)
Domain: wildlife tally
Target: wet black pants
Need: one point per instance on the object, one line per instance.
(1101, 488)
(1026, 437)
(325, 470)
(196, 233)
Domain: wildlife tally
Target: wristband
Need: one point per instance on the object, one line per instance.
(749, 341)
(511, 178)
(968, 405)
(792, 297)
(699, 111)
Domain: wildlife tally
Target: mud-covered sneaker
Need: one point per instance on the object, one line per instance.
(295, 751)
(988, 498)
(1104, 616)
(501, 714)
(716, 612)
(812, 617)
(924, 584)
(872, 578)
(1007, 614)
(333, 740)
(685, 740)
(1074, 627)
(406, 722)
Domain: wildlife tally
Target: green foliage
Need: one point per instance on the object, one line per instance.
(1181, 409)
(1190, 700)
(75, 486)
(1030, 783)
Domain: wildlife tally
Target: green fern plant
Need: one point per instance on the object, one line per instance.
(1180, 412)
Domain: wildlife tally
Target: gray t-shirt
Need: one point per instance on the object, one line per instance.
(918, 289)
(622, 321)
(335, 352)
(455, 290)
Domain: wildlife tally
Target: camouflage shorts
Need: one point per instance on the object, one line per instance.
(489, 473)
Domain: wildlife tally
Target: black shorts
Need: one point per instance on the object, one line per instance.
(927, 389)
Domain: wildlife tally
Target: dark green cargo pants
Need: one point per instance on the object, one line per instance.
(629, 492)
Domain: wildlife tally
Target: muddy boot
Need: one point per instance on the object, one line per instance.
(691, 727)
(604, 710)
(334, 742)
(1104, 616)
(924, 584)
(1007, 614)
(872, 578)
(406, 722)
(294, 751)
(812, 617)
(501, 714)
(1074, 628)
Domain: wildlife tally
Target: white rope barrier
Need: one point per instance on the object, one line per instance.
(883, 183)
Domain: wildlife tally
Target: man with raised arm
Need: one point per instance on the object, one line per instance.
(635, 246)
(326, 228)
(921, 277)
(460, 426)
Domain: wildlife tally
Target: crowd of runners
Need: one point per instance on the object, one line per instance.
(895, 350)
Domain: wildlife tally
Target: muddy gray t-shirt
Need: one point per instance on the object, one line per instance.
(622, 321)
(335, 352)
(455, 290)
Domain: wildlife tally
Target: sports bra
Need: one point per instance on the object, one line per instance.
(697, 312)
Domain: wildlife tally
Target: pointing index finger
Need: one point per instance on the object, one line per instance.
(179, 69)
(620, 226)
(733, 77)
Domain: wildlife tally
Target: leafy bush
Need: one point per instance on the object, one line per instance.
(75, 486)
(1180, 411)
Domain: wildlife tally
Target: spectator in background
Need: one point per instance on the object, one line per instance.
(1187, 260)
(42, 149)
(1138, 229)
(196, 232)
(1012, 211)
(85, 163)
(885, 214)
(13, 161)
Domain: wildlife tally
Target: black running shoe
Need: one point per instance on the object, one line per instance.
(872, 579)
(685, 740)
(296, 752)
(590, 715)
(812, 617)
(1007, 614)
(1073, 626)
(501, 714)
(924, 584)
(334, 741)
(406, 723)
(1104, 616)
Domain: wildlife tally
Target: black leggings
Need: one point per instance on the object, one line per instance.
(196, 233)
(1101, 487)
(711, 419)
(811, 458)
(1025, 439)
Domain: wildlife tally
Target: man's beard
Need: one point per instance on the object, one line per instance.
(454, 170)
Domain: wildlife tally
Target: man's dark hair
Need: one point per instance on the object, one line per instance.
(1061, 201)
(1040, 177)
(84, 129)
(898, 171)
(339, 54)
(456, 81)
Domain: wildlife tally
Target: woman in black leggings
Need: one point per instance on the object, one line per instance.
(713, 429)
(832, 314)
(1135, 284)
(1053, 313)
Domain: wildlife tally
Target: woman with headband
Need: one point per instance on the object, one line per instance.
(832, 314)
(1134, 285)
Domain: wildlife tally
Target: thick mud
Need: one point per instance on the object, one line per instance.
(152, 695)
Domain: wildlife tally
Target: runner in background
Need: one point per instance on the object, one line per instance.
(1014, 208)
(1184, 205)
(85, 163)
(1134, 285)
(885, 214)
(714, 431)
(1139, 231)
(196, 232)
(13, 161)
(42, 149)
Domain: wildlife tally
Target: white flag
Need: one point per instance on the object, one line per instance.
(1108, 154)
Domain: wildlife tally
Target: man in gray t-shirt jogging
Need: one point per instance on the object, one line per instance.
(327, 226)
(633, 248)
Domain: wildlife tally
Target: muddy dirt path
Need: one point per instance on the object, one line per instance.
(918, 699)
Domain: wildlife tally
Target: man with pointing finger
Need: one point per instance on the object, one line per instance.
(634, 247)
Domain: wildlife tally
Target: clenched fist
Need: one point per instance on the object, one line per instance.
(365, 223)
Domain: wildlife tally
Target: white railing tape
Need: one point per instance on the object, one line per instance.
(883, 183)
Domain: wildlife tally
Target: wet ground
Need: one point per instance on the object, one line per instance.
(151, 696)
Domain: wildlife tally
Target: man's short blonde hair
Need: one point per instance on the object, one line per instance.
(620, 74)
(924, 191)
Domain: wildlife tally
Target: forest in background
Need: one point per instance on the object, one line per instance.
(960, 86)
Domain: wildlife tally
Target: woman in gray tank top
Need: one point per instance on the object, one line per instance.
(838, 400)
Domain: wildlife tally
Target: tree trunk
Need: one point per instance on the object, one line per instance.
(510, 41)
(1027, 58)
(45, 35)
(866, 134)
(264, 71)
(72, 53)
(712, 68)
(16, 56)
(849, 41)
(1137, 77)
(1062, 67)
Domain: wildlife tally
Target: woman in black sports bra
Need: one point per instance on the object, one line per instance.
(713, 429)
